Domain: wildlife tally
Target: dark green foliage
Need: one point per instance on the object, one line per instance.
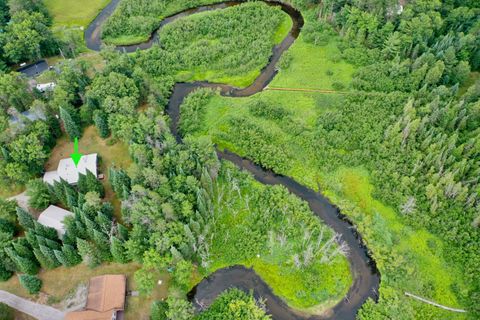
(44, 231)
(90, 254)
(158, 310)
(101, 122)
(7, 226)
(90, 183)
(120, 182)
(118, 251)
(39, 194)
(49, 257)
(31, 283)
(24, 265)
(193, 110)
(8, 210)
(25, 219)
(6, 313)
(234, 304)
(68, 256)
(264, 109)
(67, 114)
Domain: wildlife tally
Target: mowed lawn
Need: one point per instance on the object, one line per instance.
(74, 12)
(111, 153)
(60, 283)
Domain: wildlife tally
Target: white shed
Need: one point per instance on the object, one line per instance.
(53, 217)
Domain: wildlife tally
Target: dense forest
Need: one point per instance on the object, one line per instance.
(411, 120)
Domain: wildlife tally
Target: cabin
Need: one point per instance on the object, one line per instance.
(105, 301)
(53, 217)
(70, 173)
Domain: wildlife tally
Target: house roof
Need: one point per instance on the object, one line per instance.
(69, 172)
(53, 217)
(106, 296)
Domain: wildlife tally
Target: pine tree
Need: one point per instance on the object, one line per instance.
(71, 126)
(22, 248)
(24, 265)
(4, 273)
(71, 197)
(50, 255)
(101, 122)
(71, 254)
(61, 257)
(44, 261)
(103, 245)
(118, 251)
(32, 283)
(45, 231)
(25, 219)
(32, 238)
(90, 254)
(94, 185)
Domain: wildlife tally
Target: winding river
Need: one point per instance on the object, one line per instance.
(366, 278)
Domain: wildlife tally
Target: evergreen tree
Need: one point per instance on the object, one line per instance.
(32, 283)
(118, 251)
(89, 253)
(120, 182)
(103, 245)
(71, 197)
(24, 265)
(50, 255)
(101, 122)
(71, 126)
(39, 195)
(5, 274)
(44, 261)
(25, 219)
(22, 248)
(71, 255)
(45, 231)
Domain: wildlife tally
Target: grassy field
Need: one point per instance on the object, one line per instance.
(62, 282)
(72, 13)
(110, 152)
(314, 67)
(409, 259)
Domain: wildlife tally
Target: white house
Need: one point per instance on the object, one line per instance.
(69, 172)
(53, 217)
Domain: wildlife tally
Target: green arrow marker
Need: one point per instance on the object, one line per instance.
(76, 156)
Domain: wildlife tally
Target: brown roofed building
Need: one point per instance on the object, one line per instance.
(106, 299)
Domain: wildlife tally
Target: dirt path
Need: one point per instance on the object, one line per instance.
(36, 310)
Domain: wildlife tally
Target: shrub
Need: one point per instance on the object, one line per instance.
(32, 283)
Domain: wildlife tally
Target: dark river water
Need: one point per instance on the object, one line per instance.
(366, 278)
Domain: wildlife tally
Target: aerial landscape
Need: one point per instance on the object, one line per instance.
(212, 159)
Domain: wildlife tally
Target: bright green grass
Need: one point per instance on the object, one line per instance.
(74, 12)
(242, 80)
(310, 64)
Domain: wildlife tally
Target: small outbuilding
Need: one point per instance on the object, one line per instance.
(105, 301)
(53, 217)
(69, 172)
